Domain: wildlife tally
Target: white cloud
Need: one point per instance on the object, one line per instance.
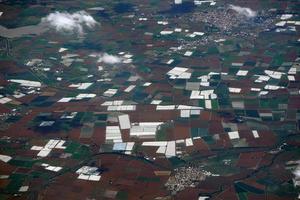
(248, 12)
(296, 172)
(70, 23)
(109, 59)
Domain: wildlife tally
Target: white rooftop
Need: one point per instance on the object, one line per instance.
(242, 73)
(179, 73)
(255, 134)
(233, 135)
(234, 90)
(124, 121)
(5, 158)
(81, 86)
(26, 83)
(110, 92)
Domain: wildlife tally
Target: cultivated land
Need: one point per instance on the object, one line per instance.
(149, 99)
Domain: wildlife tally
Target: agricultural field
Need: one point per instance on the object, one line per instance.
(136, 99)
